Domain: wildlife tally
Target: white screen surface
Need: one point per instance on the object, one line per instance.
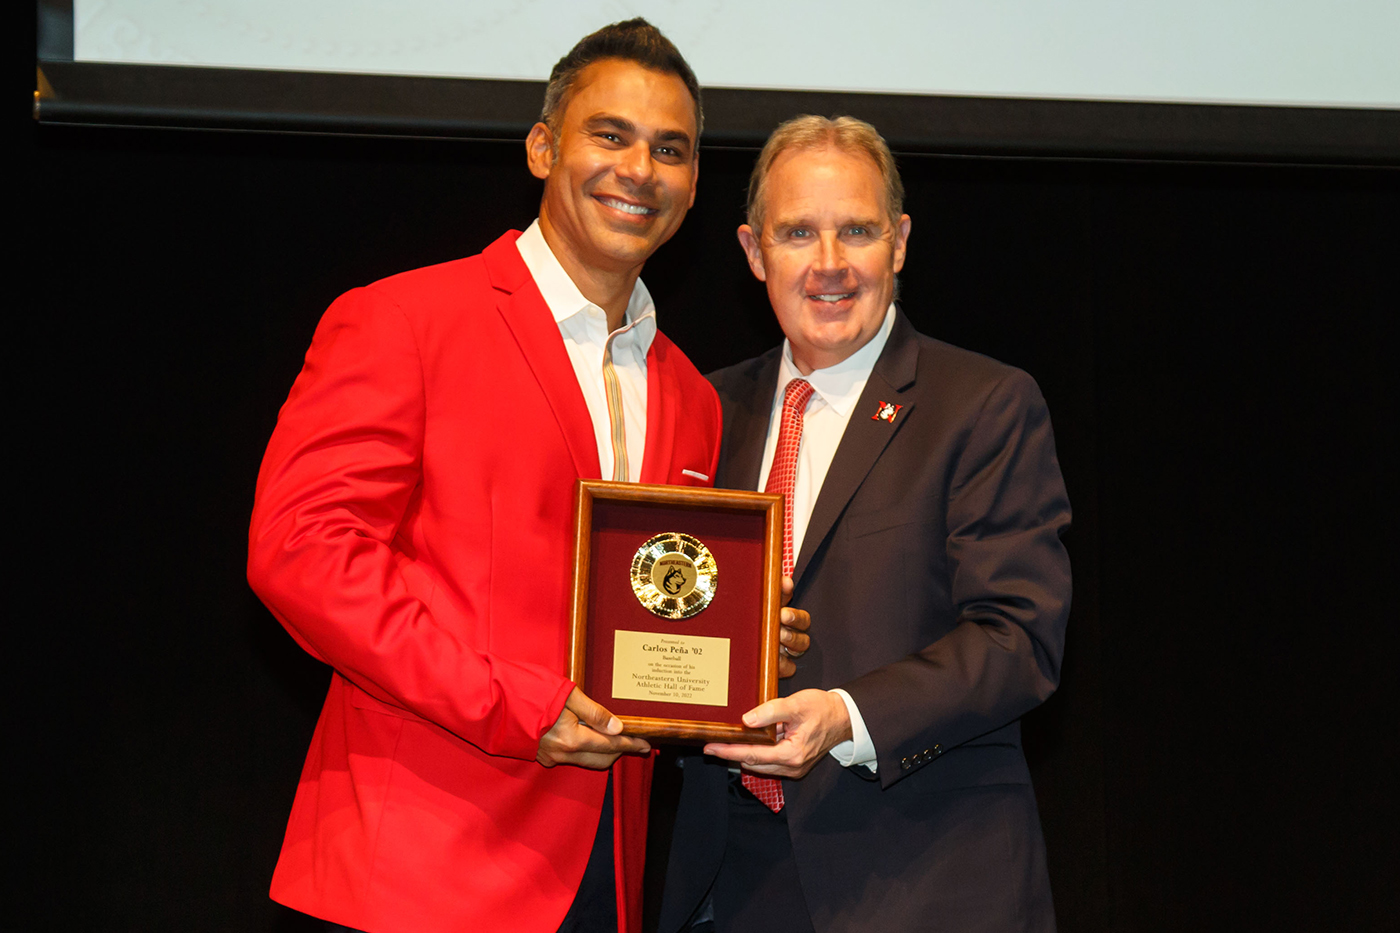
(1290, 52)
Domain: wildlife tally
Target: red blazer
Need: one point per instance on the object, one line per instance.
(412, 529)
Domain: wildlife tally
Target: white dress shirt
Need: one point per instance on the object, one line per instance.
(584, 327)
(836, 391)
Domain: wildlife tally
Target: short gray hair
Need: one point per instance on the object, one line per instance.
(845, 134)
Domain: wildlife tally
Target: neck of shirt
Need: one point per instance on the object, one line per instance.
(836, 390)
(584, 329)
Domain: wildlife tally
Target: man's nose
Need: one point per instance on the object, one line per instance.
(636, 164)
(831, 255)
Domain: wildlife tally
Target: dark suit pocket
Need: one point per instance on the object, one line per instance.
(861, 524)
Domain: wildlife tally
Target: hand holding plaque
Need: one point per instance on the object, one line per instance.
(793, 640)
(676, 596)
(586, 735)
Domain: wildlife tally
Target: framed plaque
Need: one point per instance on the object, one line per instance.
(675, 615)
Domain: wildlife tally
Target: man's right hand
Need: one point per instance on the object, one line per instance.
(586, 735)
(792, 637)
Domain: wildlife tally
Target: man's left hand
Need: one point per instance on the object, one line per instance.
(810, 724)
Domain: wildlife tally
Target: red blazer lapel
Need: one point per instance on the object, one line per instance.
(663, 391)
(537, 335)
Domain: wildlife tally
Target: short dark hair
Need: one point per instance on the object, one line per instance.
(633, 40)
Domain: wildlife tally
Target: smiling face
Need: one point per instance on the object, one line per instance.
(828, 252)
(620, 175)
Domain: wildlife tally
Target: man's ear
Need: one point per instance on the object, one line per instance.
(539, 150)
(749, 241)
(901, 241)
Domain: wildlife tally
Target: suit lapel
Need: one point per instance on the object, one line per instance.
(746, 430)
(537, 335)
(866, 437)
(663, 392)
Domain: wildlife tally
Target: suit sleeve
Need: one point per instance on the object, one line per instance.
(1009, 580)
(342, 469)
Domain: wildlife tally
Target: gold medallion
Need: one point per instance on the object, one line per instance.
(674, 575)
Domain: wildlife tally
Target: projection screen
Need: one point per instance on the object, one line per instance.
(1290, 80)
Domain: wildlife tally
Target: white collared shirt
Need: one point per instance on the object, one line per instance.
(836, 391)
(584, 327)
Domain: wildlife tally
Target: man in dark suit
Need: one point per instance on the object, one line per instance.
(925, 510)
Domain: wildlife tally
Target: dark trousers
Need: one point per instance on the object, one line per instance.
(980, 867)
(594, 909)
(757, 889)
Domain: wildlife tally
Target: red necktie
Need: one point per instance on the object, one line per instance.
(782, 478)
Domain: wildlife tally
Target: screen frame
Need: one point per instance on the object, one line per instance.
(256, 100)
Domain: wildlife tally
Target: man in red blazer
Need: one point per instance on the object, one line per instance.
(412, 530)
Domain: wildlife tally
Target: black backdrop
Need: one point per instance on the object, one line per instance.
(1214, 342)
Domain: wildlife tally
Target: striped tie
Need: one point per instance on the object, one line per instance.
(782, 478)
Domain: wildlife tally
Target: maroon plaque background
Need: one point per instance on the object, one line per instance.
(740, 530)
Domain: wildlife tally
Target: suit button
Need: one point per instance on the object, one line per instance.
(904, 763)
(938, 750)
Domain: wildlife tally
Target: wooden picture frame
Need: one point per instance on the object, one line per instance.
(742, 533)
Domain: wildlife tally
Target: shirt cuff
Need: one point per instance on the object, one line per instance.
(858, 750)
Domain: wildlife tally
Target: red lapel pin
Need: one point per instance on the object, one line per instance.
(886, 412)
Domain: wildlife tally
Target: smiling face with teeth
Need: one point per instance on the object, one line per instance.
(620, 175)
(828, 252)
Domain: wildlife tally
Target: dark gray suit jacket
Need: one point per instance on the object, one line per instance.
(939, 589)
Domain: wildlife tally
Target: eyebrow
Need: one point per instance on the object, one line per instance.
(673, 136)
(608, 121)
(623, 125)
(787, 223)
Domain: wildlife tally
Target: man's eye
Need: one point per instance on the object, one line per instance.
(858, 230)
(668, 152)
(799, 233)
